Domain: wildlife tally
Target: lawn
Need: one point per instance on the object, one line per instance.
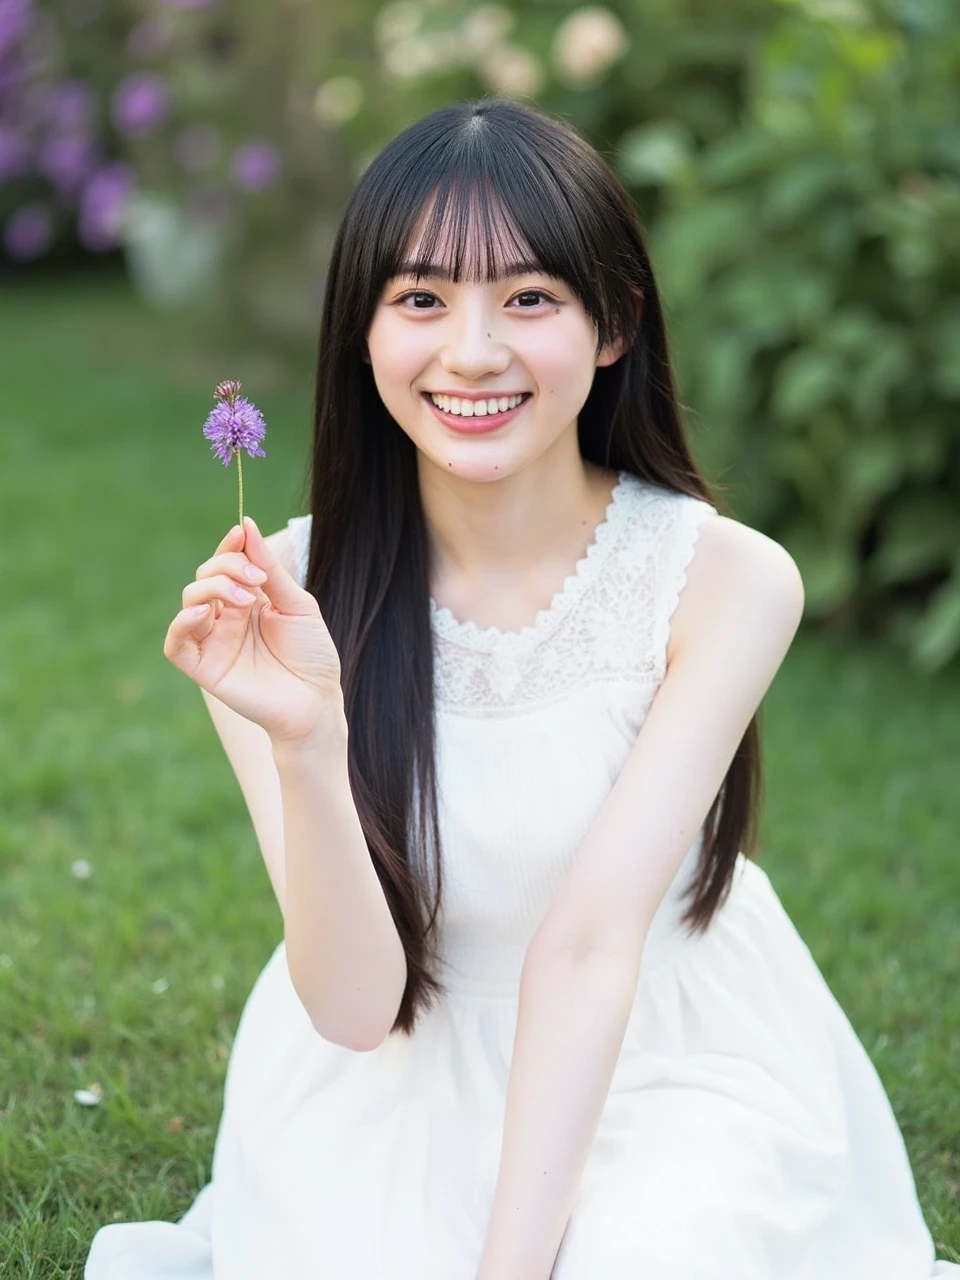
(135, 912)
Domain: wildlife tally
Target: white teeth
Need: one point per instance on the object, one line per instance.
(475, 408)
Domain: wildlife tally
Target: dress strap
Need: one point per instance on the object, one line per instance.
(299, 527)
(679, 531)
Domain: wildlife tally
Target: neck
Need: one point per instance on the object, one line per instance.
(494, 536)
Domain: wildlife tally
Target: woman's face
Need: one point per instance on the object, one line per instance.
(526, 334)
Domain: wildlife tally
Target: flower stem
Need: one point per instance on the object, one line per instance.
(240, 474)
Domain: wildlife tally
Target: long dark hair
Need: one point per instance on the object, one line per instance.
(513, 179)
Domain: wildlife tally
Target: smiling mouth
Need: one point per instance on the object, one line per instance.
(490, 408)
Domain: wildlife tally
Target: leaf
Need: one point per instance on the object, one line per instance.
(654, 153)
(920, 533)
(807, 379)
(936, 635)
(693, 242)
(739, 156)
(872, 467)
(827, 564)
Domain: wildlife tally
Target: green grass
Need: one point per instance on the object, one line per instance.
(110, 499)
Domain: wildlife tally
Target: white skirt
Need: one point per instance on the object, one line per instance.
(746, 1135)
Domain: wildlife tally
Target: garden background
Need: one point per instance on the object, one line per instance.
(171, 177)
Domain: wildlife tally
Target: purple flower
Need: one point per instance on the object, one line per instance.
(101, 207)
(14, 154)
(255, 165)
(67, 161)
(234, 424)
(198, 147)
(28, 232)
(141, 103)
(16, 17)
(71, 106)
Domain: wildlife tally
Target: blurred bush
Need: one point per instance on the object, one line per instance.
(796, 162)
(811, 255)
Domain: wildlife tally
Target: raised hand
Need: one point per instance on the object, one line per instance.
(258, 645)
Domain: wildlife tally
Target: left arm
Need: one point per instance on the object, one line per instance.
(740, 609)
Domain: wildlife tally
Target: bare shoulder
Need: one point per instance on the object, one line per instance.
(737, 570)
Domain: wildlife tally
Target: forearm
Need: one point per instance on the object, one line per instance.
(344, 954)
(573, 1012)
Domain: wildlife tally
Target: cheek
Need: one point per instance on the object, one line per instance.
(562, 360)
(397, 350)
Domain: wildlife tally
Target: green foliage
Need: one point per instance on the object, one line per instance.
(810, 257)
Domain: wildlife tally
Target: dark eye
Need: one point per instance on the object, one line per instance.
(532, 293)
(419, 293)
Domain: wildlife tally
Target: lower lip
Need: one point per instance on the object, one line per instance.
(475, 426)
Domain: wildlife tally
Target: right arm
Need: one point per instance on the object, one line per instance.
(344, 953)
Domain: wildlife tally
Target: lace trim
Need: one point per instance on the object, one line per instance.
(600, 628)
(471, 636)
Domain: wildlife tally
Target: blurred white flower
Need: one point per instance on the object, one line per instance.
(159, 986)
(485, 27)
(587, 44)
(88, 1097)
(398, 21)
(513, 71)
(216, 982)
(82, 869)
(6, 961)
(338, 99)
(416, 56)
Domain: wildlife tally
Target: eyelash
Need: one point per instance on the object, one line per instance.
(418, 293)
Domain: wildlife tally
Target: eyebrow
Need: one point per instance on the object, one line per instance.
(434, 271)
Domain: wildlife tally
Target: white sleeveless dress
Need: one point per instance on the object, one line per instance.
(746, 1135)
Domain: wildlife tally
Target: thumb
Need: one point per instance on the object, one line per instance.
(280, 588)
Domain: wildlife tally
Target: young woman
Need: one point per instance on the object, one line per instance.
(492, 704)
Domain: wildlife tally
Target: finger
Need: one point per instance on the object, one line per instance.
(184, 636)
(280, 588)
(231, 541)
(234, 563)
(221, 587)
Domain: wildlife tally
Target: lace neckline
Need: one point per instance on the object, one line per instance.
(469, 635)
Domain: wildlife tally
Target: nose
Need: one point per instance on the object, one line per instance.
(472, 345)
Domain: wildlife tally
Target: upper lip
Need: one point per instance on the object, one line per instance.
(478, 395)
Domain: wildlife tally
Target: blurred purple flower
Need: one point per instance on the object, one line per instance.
(147, 40)
(255, 165)
(189, 4)
(16, 17)
(234, 424)
(198, 147)
(28, 232)
(71, 106)
(12, 76)
(14, 154)
(67, 161)
(141, 103)
(101, 207)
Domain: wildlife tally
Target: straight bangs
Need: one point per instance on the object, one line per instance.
(484, 205)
